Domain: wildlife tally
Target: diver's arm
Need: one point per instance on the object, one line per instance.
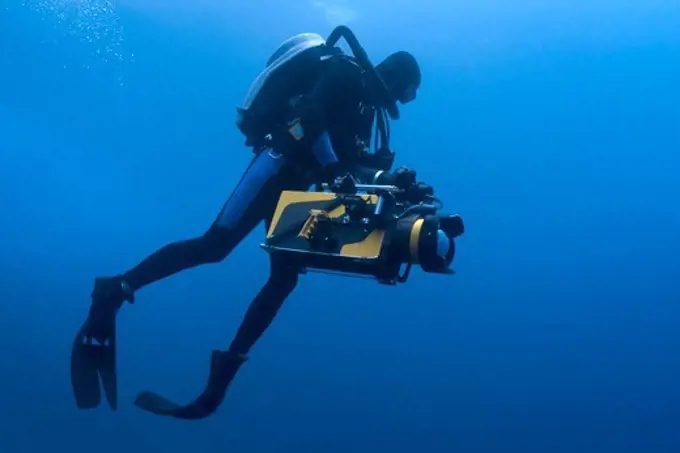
(324, 153)
(402, 177)
(336, 89)
(369, 175)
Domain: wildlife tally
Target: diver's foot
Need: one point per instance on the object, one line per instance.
(108, 296)
(93, 356)
(223, 368)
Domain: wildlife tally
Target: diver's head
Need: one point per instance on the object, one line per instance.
(401, 73)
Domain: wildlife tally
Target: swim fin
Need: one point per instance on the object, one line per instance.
(93, 354)
(223, 368)
(91, 363)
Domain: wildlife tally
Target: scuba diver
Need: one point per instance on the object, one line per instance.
(309, 117)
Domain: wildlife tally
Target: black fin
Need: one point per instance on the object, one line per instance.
(93, 364)
(223, 368)
(159, 405)
(84, 374)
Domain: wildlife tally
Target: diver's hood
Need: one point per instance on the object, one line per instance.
(399, 71)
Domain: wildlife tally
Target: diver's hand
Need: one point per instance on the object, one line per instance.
(344, 184)
(419, 192)
(402, 178)
(405, 179)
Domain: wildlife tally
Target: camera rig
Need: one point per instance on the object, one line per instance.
(379, 231)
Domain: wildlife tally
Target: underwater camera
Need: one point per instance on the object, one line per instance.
(377, 231)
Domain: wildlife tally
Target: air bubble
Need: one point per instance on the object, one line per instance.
(94, 24)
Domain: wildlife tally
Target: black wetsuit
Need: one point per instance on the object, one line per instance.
(341, 103)
(319, 135)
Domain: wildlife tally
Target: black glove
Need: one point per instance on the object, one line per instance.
(419, 192)
(344, 184)
(403, 178)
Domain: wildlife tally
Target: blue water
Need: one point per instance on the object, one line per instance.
(554, 130)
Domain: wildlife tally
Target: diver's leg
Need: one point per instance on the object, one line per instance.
(283, 279)
(94, 346)
(246, 207)
(224, 365)
(243, 210)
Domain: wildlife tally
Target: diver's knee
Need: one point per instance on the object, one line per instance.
(217, 243)
(284, 279)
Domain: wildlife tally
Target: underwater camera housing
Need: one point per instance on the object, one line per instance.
(363, 230)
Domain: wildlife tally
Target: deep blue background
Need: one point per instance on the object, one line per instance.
(554, 130)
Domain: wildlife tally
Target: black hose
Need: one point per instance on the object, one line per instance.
(342, 31)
